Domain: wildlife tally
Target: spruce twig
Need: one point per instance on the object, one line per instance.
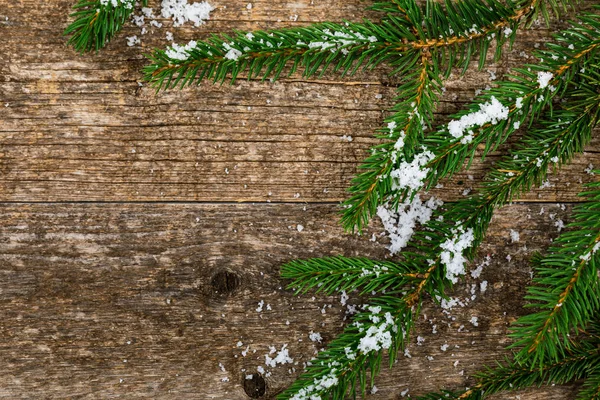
(423, 43)
(97, 22)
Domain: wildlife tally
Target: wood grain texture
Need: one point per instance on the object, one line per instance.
(95, 294)
(127, 270)
(80, 128)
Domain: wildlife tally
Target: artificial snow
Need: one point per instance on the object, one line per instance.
(489, 112)
(452, 256)
(410, 175)
(544, 79)
(318, 385)
(476, 273)
(282, 357)
(177, 52)
(344, 298)
(586, 257)
(181, 12)
(232, 54)
(315, 337)
(400, 224)
(519, 102)
(514, 236)
(590, 169)
(375, 339)
(133, 40)
(333, 41)
(115, 3)
(483, 286)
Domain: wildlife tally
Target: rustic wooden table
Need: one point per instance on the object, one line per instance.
(139, 232)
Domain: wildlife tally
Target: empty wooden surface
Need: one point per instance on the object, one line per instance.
(139, 232)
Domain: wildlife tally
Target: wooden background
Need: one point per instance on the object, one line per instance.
(138, 232)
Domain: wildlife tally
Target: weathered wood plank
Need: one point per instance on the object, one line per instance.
(172, 288)
(79, 128)
(145, 300)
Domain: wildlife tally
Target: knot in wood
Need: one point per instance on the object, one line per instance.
(255, 387)
(225, 282)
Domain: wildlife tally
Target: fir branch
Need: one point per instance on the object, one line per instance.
(566, 289)
(514, 375)
(97, 21)
(263, 54)
(525, 97)
(591, 386)
(403, 131)
(389, 319)
(549, 144)
(343, 366)
(337, 274)
(473, 214)
(459, 28)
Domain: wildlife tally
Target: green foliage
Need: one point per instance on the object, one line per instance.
(337, 274)
(581, 362)
(344, 366)
(556, 100)
(262, 54)
(450, 37)
(566, 290)
(96, 24)
(557, 131)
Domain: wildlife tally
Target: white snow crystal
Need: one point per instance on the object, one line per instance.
(181, 12)
(544, 78)
(344, 298)
(282, 357)
(519, 103)
(590, 169)
(260, 306)
(132, 40)
(115, 3)
(315, 337)
(177, 52)
(333, 41)
(452, 256)
(232, 54)
(483, 286)
(514, 236)
(477, 271)
(400, 224)
(410, 175)
(489, 112)
(376, 338)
